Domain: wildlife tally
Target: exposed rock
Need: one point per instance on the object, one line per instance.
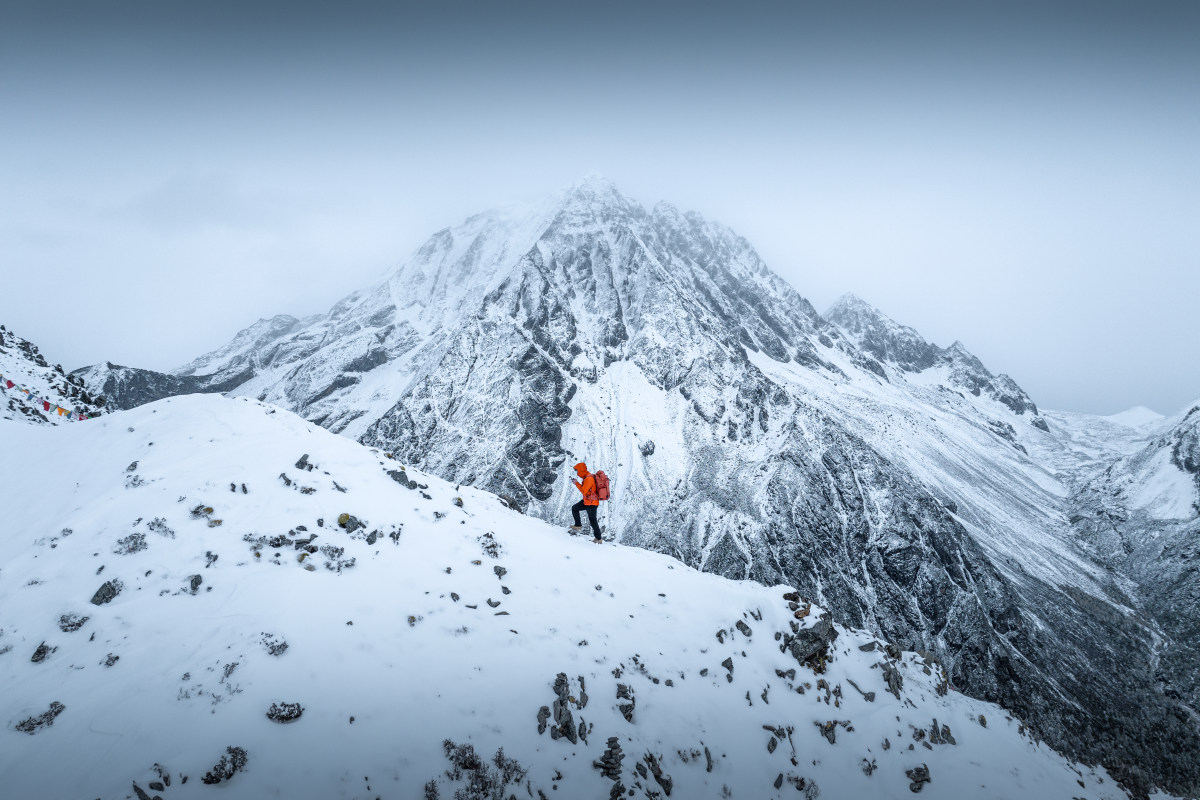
(42, 651)
(32, 725)
(68, 623)
(233, 762)
(107, 591)
(918, 776)
(284, 712)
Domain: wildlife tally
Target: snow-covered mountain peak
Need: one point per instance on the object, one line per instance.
(1137, 417)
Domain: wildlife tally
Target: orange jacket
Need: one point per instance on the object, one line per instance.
(588, 487)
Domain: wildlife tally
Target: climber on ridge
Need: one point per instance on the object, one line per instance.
(594, 488)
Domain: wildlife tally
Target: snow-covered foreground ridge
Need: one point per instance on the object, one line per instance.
(185, 573)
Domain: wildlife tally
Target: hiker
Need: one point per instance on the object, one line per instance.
(591, 499)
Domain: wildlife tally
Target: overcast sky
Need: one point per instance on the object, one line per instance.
(1022, 177)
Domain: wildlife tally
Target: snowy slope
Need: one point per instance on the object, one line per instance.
(34, 379)
(901, 485)
(432, 621)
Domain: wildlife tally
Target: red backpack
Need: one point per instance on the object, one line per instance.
(601, 485)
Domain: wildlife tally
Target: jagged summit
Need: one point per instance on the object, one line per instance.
(904, 348)
(882, 337)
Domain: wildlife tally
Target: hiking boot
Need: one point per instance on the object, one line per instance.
(597, 540)
(574, 527)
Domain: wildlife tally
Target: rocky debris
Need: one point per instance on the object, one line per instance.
(493, 603)
(868, 696)
(869, 767)
(306, 544)
(489, 544)
(918, 776)
(940, 735)
(500, 571)
(542, 716)
(193, 583)
(400, 476)
(660, 777)
(284, 712)
(829, 729)
(133, 543)
(33, 724)
(42, 652)
(610, 763)
(233, 762)
(110, 659)
(140, 793)
(728, 665)
(210, 558)
(69, 623)
(159, 526)
(348, 521)
(303, 463)
(458, 501)
(625, 692)
(275, 645)
(647, 447)
(982, 721)
(201, 511)
(484, 781)
(744, 628)
(892, 677)
(107, 592)
(564, 723)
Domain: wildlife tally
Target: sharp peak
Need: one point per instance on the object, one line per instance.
(850, 302)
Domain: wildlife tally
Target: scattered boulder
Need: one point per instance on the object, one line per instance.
(610, 763)
(33, 724)
(564, 726)
(284, 712)
(133, 543)
(233, 762)
(744, 628)
(303, 463)
(107, 592)
(275, 645)
(41, 653)
(810, 646)
(193, 583)
(624, 692)
(350, 522)
(69, 623)
(647, 447)
(918, 777)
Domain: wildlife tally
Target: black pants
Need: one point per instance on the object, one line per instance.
(591, 512)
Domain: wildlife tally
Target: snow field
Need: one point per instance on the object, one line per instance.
(416, 666)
